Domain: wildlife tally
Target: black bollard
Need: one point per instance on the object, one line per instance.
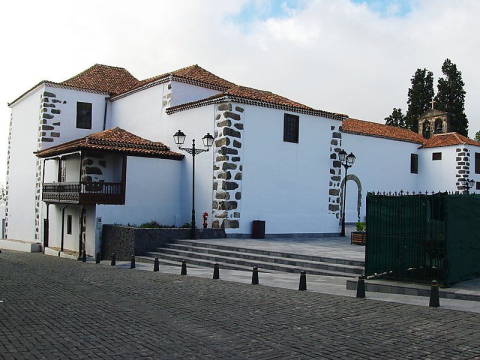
(255, 276)
(303, 281)
(216, 272)
(113, 260)
(184, 268)
(84, 256)
(156, 266)
(361, 287)
(97, 258)
(434, 295)
(132, 262)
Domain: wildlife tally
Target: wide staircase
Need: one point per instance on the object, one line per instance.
(202, 254)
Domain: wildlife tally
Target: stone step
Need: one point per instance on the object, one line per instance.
(240, 264)
(184, 250)
(193, 263)
(203, 244)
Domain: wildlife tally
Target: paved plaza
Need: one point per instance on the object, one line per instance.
(60, 308)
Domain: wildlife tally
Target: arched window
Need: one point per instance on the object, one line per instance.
(426, 130)
(438, 126)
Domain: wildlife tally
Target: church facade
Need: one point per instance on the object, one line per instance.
(98, 149)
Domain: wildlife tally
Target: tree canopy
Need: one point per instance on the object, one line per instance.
(477, 136)
(396, 119)
(420, 95)
(451, 97)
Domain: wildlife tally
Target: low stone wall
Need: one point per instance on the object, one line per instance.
(127, 241)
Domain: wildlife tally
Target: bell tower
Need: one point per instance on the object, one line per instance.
(433, 122)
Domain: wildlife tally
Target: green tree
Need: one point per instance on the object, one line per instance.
(396, 119)
(420, 96)
(451, 97)
(477, 136)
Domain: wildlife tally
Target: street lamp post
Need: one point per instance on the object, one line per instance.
(347, 161)
(468, 184)
(179, 138)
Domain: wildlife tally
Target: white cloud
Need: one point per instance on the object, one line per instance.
(330, 54)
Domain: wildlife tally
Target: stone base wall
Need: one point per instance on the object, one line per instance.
(228, 168)
(127, 241)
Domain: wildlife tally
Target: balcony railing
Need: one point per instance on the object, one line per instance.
(84, 193)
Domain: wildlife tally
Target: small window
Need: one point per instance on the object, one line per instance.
(477, 163)
(414, 163)
(290, 128)
(478, 185)
(84, 115)
(437, 156)
(69, 224)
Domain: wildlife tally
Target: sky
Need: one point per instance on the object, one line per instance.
(348, 56)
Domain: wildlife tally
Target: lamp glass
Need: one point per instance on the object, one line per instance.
(462, 181)
(179, 137)
(351, 159)
(207, 140)
(472, 183)
(342, 155)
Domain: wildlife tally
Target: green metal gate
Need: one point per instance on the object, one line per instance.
(423, 237)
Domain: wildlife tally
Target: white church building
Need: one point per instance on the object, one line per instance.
(99, 149)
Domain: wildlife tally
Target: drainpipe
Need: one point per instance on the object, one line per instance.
(105, 115)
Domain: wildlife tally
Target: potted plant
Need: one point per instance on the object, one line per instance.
(359, 237)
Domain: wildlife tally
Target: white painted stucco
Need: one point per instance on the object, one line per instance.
(381, 165)
(286, 184)
(21, 175)
(152, 193)
(184, 93)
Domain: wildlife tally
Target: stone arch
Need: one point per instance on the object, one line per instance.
(426, 129)
(359, 199)
(438, 126)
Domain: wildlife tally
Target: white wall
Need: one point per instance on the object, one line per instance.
(184, 93)
(437, 175)
(381, 165)
(195, 124)
(140, 113)
(286, 184)
(152, 193)
(22, 168)
(68, 114)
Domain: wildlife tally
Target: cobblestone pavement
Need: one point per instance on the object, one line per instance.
(60, 308)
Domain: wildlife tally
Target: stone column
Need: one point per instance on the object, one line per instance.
(228, 167)
(48, 132)
(335, 172)
(463, 166)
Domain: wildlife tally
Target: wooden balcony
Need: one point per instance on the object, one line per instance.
(84, 193)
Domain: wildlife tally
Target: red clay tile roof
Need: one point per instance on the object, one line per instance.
(119, 82)
(114, 140)
(261, 95)
(109, 79)
(448, 139)
(368, 128)
(256, 97)
(194, 74)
